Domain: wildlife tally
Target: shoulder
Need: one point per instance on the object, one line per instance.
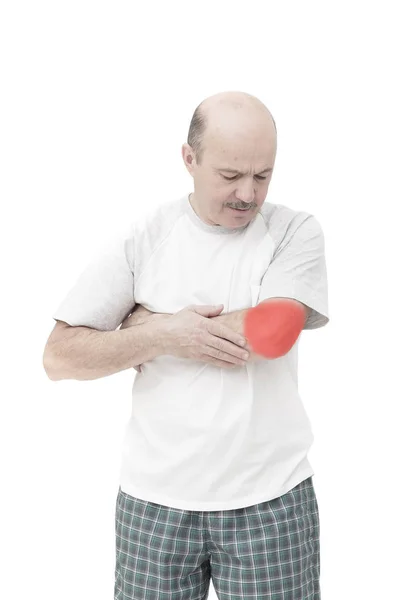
(283, 222)
(153, 227)
(136, 237)
(157, 220)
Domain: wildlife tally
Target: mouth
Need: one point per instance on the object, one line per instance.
(241, 210)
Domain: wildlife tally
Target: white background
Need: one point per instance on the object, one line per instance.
(96, 102)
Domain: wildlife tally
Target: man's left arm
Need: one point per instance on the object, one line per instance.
(236, 321)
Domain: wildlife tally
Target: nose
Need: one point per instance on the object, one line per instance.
(245, 191)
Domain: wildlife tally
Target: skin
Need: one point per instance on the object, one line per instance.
(240, 137)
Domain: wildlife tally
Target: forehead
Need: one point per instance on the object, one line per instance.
(244, 140)
(241, 155)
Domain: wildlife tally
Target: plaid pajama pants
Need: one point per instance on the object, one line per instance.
(268, 551)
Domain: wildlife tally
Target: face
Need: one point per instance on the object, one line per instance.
(231, 182)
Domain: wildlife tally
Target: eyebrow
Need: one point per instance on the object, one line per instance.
(267, 170)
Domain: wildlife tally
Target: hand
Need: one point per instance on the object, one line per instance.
(190, 333)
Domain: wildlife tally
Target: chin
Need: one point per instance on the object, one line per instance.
(237, 224)
(240, 221)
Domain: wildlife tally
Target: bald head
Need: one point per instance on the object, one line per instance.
(230, 153)
(228, 114)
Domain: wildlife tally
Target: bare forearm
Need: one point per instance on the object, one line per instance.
(276, 340)
(235, 321)
(278, 337)
(91, 354)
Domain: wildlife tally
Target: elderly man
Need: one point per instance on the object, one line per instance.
(215, 480)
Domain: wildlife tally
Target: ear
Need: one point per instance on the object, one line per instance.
(189, 158)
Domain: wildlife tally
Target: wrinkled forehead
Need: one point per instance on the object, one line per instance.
(244, 153)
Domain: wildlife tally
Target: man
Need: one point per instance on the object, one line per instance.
(215, 480)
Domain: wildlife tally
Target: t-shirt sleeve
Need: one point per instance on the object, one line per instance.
(298, 270)
(103, 295)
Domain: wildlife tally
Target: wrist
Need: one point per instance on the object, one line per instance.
(234, 320)
(165, 337)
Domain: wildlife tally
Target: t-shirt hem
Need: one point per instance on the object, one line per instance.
(214, 506)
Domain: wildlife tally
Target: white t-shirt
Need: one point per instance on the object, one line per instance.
(201, 437)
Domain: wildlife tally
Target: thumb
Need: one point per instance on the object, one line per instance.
(208, 310)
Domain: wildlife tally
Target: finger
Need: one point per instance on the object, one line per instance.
(225, 333)
(227, 348)
(224, 356)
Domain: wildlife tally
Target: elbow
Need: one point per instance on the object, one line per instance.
(58, 369)
(280, 350)
(272, 350)
(53, 373)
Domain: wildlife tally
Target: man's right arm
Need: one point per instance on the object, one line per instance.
(83, 353)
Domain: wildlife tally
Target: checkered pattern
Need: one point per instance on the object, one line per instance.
(269, 551)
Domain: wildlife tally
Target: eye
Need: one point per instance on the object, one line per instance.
(235, 176)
